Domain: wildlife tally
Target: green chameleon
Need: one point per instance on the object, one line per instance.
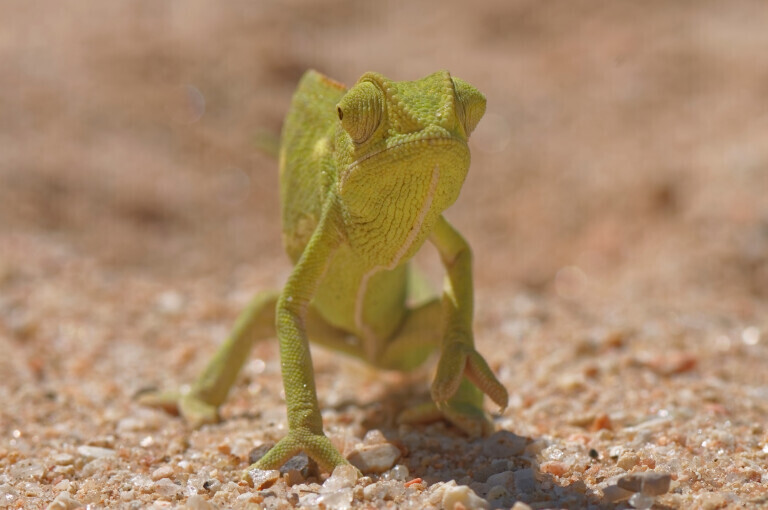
(365, 175)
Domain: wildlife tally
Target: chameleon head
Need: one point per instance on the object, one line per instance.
(402, 154)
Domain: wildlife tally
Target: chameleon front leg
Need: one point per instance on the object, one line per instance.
(422, 333)
(305, 424)
(200, 405)
(459, 358)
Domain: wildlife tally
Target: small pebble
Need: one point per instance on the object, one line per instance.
(27, 469)
(375, 458)
(63, 486)
(302, 464)
(399, 472)
(197, 502)
(343, 477)
(649, 483)
(461, 496)
(525, 481)
(65, 470)
(480, 488)
(294, 477)
(263, 478)
(8, 495)
(64, 501)
(711, 501)
(63, 459)
(165, 487)
(555, 468)
(521, 506)
(213, 485)
(384, 490)
(257, 453)
(374, 436)
(162, 472)
(614, 494)
(601, 422)
(497, 492)
(504, 444)
(246, 498)
(95, 452)
(505, 478)
(641, 501)
(628, 460)
(340, 499)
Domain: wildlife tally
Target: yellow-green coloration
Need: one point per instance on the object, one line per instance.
(365, 175)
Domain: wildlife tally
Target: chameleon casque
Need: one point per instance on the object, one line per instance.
(365, 175)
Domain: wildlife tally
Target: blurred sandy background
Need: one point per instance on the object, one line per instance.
(622, 137)
(623, 162)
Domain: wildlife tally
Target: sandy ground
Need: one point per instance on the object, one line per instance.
(616, 206)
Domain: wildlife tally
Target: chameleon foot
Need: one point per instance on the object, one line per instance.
(316, 446)
(464, 410)
(460, 360)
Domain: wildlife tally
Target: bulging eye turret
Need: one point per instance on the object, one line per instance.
(470, 104)
(361, 110)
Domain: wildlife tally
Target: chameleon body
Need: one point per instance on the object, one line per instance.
(365, 175)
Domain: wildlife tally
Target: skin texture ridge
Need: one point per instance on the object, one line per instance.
(365, 175)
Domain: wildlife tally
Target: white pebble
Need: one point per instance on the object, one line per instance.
(95, 452)
(399, 472)
(198, 502)
(641, 501)
(520, 506)
(337, 500)
(63, 459)
(63, 486)
(374, 436)
(343, 477)
(162, 472)
(64, 501)
(262, 478)
(166, 487)
(462, 495)
(375, 458)
(27, 469)
(384, 490)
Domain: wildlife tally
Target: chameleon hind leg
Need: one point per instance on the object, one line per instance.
(201, 404)
(414, 342)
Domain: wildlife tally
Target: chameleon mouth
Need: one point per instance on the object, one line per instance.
(432, 140)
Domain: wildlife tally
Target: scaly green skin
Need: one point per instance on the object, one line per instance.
(365, 176)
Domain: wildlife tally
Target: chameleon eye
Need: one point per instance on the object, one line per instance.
(470, 104)
(360, 111)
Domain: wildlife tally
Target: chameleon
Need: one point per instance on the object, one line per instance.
(365, 175)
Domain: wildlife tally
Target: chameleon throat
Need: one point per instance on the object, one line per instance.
(367, 332)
